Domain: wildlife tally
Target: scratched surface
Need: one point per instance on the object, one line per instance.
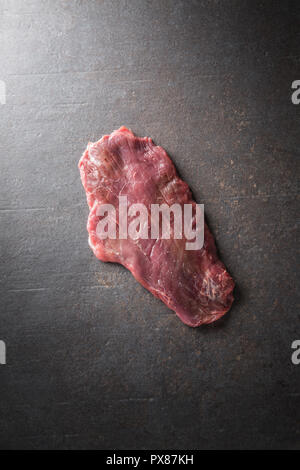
(93, 359)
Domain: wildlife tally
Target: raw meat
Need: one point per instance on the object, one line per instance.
(193, 283)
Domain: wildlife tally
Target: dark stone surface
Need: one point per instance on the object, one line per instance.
(94, 360)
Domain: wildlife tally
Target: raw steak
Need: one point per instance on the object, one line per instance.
(193, 283)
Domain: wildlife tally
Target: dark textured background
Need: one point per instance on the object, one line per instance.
(93, 359)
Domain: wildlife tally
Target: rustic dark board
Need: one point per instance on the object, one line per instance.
(94, 360)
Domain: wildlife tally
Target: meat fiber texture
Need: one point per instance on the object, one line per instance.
(193, 283)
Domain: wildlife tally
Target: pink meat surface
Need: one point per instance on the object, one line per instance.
(193, 283)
